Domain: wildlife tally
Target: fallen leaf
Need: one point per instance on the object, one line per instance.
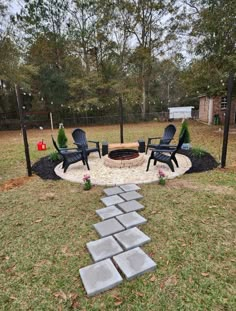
(153, 278)
(139, 294)
(38, 220)
(75, 305)
(60, 294)
(12, 268)
(75, 302)
(13, 298)
(64, 249)
(205, 274)
(172, 280)
(116, 297)
(73, 296)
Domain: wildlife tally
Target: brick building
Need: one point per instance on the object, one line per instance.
(212, 109)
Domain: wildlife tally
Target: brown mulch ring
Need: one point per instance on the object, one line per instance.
(45, 167)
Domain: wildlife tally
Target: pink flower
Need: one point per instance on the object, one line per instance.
(161, 173)
(86, 178)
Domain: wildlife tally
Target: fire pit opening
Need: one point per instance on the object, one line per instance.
(123, 154)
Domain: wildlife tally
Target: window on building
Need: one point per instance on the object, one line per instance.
(223, 103)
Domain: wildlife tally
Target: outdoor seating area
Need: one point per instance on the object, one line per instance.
(104, 175)
(124, 245)
(120, 165)
(118, 170)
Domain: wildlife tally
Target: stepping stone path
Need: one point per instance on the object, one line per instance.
(118, 250)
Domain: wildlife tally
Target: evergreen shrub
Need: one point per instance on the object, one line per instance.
(187, 135)
(61, 137)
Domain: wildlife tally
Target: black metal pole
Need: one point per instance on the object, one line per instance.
(23, 129)
(227, 118)
(121, 120)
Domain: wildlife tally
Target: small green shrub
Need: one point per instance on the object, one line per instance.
(198, 152)
(54, 156)
(185, 127)
(61, 137)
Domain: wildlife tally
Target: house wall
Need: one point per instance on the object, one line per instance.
(204, 109)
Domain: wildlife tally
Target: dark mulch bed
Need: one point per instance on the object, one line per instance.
(200, 164)
(45, 167)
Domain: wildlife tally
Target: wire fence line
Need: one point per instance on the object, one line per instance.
(10, 120)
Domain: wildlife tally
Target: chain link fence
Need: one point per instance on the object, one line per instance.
(10, 121)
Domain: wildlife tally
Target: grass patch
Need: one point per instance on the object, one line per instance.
(45, 225)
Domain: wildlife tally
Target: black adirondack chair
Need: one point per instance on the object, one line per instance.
(161, 154)
(168, 135)
(71, 155)
(80, 140)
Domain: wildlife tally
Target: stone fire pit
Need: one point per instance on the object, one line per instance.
(121, 158)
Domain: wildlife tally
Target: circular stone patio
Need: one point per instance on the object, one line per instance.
(103, 175)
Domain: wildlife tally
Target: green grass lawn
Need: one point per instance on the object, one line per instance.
(45, 225)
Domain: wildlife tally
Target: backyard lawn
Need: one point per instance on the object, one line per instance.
(45, 225)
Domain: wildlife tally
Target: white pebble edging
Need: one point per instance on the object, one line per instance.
(103, 175)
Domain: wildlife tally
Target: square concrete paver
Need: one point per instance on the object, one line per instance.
(108, 227)
(130, 206)
(108, 212)
(113, 190)
(131, 195)
(134, 263)
(104, 248)
(130, 220)
(99, 277)
(112, 200)
(132, 238)
(130, 187)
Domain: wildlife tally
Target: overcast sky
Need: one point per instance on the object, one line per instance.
(14, 6)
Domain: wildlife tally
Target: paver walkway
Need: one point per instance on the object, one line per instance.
(118, 250)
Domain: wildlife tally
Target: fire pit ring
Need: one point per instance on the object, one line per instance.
(120, 158)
